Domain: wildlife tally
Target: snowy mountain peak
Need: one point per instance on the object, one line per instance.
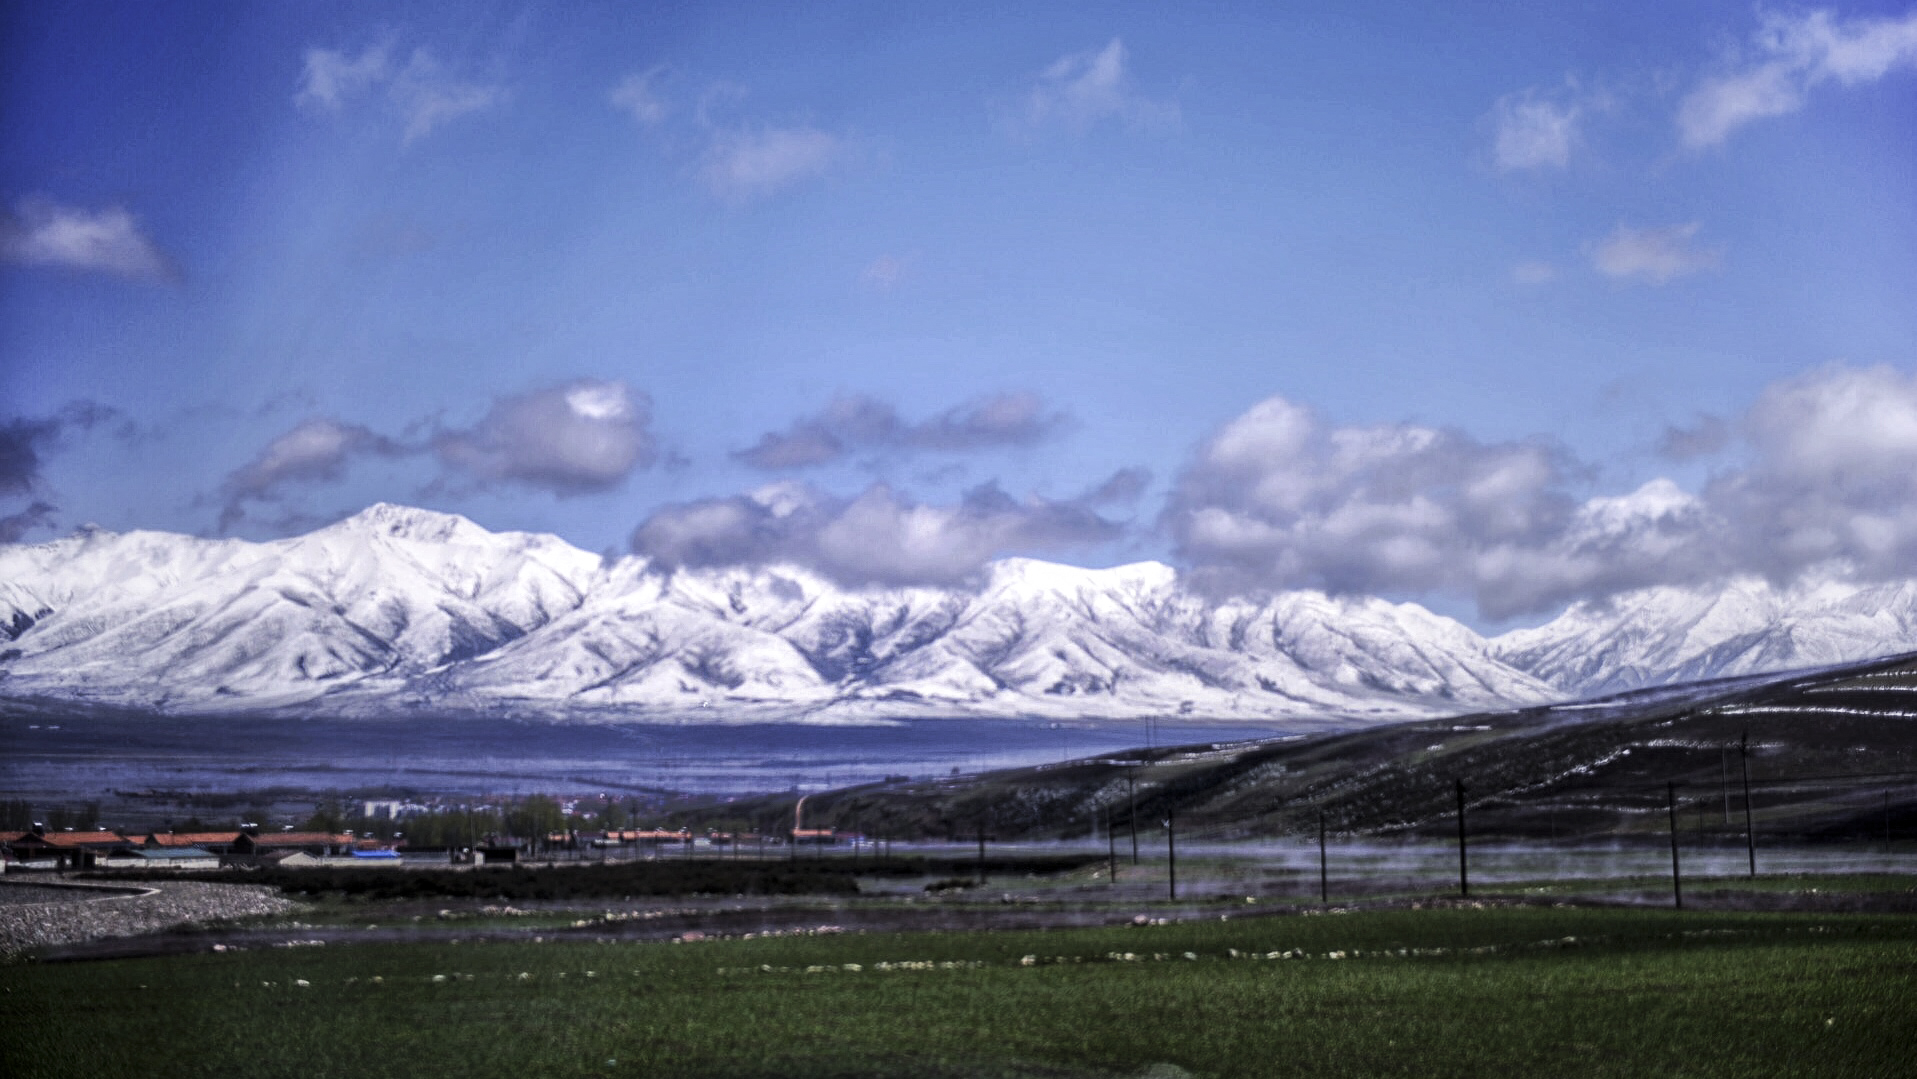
(409, 523)
(397, 608)
(1745, 625)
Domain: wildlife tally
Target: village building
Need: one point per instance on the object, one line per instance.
(217, 842)
(62, 850)
(180, 858)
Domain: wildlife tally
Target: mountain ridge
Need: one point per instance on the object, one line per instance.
(399, 610)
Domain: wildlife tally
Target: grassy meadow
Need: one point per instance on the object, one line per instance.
(1500, 990)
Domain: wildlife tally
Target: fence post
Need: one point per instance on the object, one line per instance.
(1750, 836)
(1131, 814)
(1724, 781)
(1111, 847)
(1677, 888)
(1324, 875)
(1464, 874)
(1171, 851)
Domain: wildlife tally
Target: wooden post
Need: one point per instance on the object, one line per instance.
(1677, 887)
(1324, 874)
(1724, 780)
(1171, 851)
(1131, 814)
(1464, 876)
(1750, 836)
(1111, 847)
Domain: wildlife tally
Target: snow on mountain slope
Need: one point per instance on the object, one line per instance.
(1660, 636)
(163, 619)
(401, 608)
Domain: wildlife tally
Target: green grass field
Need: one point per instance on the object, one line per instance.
(1514, 991)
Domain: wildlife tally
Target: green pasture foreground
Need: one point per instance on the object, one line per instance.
(1526, 991)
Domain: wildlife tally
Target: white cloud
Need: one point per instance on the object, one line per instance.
(1832, 477)
(110, 240)
(426, 97)
(635, 96)
(877, 538)
(746, 164)
(331, 77)
(1083, 89)
(1278, 498)
(1792, 54)
(858, 422)
(420, 93)
(1655, 255)
(1533, 131)
(583, 436)
(1818, 477)
(316, 451)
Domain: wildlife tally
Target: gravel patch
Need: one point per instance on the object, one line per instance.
(74, 918)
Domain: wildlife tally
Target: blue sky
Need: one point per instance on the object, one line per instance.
(1496, 307)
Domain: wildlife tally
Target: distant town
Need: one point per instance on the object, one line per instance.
(390, 832)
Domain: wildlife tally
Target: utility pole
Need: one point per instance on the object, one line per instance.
(1131, 813)
(981, 850)
(1111, 846)
(1724, 780)
(1750, 837)
(1171, 852)
(1324, 876)
(1677, 887)
(1464, 877)
(1886, 818)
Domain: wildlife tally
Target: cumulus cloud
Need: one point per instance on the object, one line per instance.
(857, 422)
(582, 436)
(313, 452)
(746, 164)
(636, 96)
(1654, 255)
(1820, 477)
(1534, 130)
(1790, 55)
(1832, 477)
(110, 241)
(420, 92)
(1279, 498)
(1083, 89)
(879, 538)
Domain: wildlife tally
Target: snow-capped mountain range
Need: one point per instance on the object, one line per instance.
(398, 610)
